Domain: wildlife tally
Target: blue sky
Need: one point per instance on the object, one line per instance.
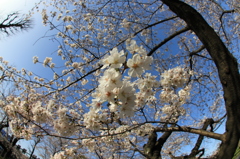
(19, 49)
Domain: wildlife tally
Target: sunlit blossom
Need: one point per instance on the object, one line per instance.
(115, 59)
(138, 64)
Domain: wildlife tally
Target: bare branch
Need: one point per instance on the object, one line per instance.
(192, 130)
(13, 23)
(168, 39)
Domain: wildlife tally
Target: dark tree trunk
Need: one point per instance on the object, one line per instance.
(3, 126)
(14, 141)
(154, 146)
(227, 69)
(159, 145)
(148, 148)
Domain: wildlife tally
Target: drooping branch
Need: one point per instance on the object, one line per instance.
(13, 23)
(154, 24)
(227, 69)
(224, 12)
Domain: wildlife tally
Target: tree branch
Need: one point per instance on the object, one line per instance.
(196, 150)
(192, 130)
(13, 23)
(168, 39)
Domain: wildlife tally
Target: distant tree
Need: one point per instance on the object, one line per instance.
(13, 23)
(49, 146)
(36, 141)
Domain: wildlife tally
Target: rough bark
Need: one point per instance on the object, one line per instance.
(148, 148)
(227, 69)
(159, 145)
(154, 146)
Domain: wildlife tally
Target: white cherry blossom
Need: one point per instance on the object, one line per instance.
(115, 59)
(138, 64)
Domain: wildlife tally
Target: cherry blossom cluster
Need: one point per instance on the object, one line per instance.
(175, 77)
(119, 92)
(124, 95)
(175, 92)
(23, 111)
(146, 92)
(139, 61)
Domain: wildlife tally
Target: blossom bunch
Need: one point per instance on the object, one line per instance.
(118, 92)
(124, 95)
(174, 77)
(92, 119)
(140, 61)
(40, 114)
(115, 59)
(145, 86)
(64, 125)
(90, 143)
(172, 94)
